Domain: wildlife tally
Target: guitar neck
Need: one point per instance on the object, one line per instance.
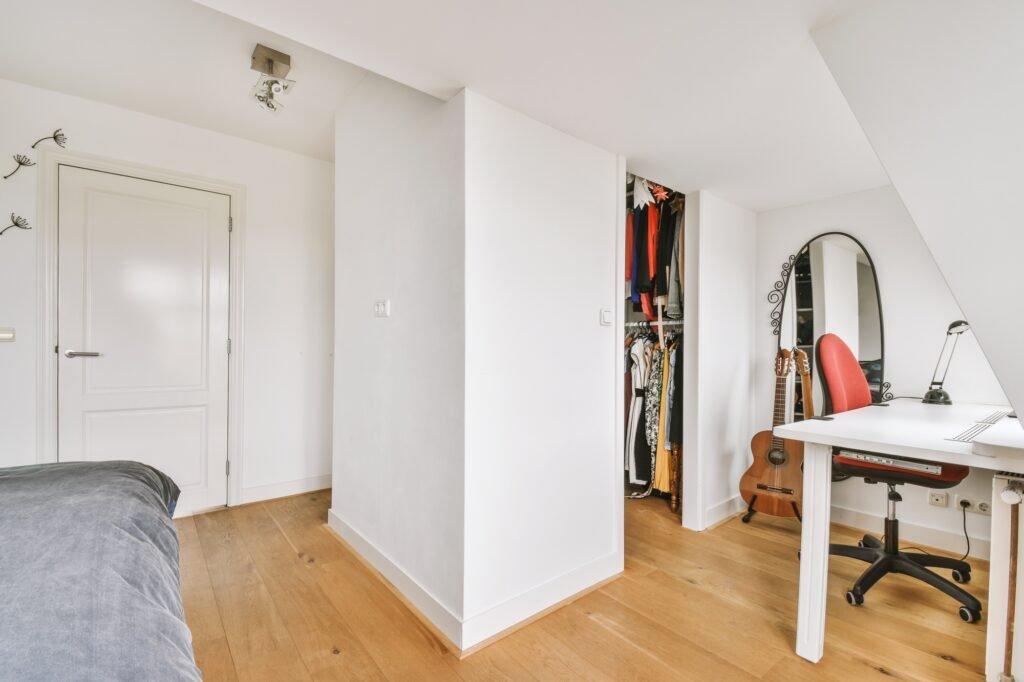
(779, 414)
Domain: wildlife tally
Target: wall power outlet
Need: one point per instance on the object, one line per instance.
(938, 498)
(980, 507)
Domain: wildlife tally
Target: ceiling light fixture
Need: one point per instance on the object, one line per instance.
(273, 67)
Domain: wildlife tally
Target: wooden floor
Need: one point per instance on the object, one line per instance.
(271, 595)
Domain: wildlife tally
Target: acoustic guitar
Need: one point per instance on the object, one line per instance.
(774, 482)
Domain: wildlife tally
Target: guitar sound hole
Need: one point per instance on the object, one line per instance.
(777, 457)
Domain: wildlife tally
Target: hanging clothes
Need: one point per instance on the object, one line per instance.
(652, 242)
(652, 404)
(670, 417)
(653, 382)
(638, 456)
(674, 308)
(629, 246)
(664, 254)
(662, 477)
(639, 275)
(653, 223)
(675, 434)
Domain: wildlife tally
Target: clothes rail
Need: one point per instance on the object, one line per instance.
(654, 323)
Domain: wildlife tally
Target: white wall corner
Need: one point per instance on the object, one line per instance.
(482, 626)
(433, 609)
(717, 513)
(693, 498)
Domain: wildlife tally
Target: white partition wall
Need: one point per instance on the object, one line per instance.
(718, 351)
(475, 428)
(542, 495)
(398, 381)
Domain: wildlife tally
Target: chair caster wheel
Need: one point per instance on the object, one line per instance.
(746, 517)
(969, 615)
(856, 598)
(860, 543)
(961, 577)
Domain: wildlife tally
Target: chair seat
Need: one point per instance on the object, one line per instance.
(949, 476)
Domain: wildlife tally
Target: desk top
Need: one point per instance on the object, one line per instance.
(907, 427)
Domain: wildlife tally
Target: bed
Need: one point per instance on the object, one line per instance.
(89, 584)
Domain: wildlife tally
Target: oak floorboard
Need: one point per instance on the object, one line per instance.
(271, 594)
(328, 647)
(261, 644)
(209, 643)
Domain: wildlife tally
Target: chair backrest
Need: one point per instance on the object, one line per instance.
(845, 387)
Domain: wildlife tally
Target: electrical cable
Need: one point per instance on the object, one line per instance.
(967, 537)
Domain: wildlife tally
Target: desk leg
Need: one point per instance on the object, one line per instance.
(814, 538)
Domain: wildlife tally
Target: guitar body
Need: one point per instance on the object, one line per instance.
(774, 483)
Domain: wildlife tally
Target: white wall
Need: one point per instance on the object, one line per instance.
(288, 271)
(917, 306)
(953, 146)
(543, 499)
(720, 242)
(399, 386)
(475, 431)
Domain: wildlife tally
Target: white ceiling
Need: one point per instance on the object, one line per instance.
(726, 95)
(175, 59)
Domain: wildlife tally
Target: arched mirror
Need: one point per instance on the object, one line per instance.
(831, 287)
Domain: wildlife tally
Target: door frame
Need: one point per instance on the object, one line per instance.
(49, 165)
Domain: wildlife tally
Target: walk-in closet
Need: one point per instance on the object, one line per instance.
(653, 345)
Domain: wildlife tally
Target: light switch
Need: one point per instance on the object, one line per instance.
(607, 317)
(382, 307)
(6, 333)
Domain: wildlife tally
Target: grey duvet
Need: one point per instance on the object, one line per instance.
(89, 575)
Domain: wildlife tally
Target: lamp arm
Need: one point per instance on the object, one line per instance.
(949, 359)
(936, 382)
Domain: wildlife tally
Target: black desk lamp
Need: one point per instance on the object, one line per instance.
(937, 395)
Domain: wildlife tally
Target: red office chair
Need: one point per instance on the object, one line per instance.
(845, 388)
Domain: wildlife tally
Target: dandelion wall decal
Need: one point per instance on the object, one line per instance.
(21, 160)
(18, 222)
(58, 136)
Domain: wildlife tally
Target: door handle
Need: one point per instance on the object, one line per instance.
(80, 354)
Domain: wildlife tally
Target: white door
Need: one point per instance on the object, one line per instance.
(143, 328)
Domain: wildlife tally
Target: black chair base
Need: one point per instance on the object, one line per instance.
(884, 560)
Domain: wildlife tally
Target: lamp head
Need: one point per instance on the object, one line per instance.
(958, 327)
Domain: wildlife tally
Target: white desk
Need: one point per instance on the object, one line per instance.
(904, 427)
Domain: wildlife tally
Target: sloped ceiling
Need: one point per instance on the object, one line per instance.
(730, 95)
(938, 86)
(174, 59)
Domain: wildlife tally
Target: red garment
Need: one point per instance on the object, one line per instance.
(629, 245)
(653, 220)
(647, 301)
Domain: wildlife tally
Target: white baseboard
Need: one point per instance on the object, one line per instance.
(950, 541)
(443, 618)
(510, 613)
(468, 633)
(296, 487)
(723, 510)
